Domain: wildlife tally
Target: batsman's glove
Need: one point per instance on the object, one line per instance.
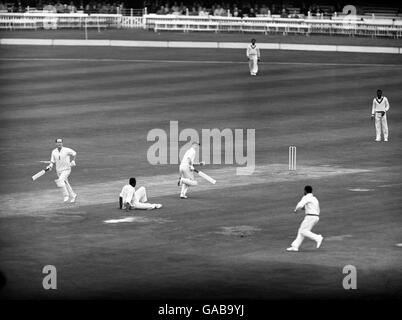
(192, 168)
(49, 167)
(72, 163)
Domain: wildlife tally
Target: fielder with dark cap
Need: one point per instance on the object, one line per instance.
(253, 55)
(135, 199)
(379, 114)
(311, 206)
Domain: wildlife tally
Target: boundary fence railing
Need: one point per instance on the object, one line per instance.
(45, 20)
(267, 25)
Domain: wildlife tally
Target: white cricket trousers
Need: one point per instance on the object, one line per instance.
(187, 178)
(63, 184)
(305, 231)
(253, 64)
(140, 199)
(381, 123)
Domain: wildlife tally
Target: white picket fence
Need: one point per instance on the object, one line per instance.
(268, 25)
(44, 20)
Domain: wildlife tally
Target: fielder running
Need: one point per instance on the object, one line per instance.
(135, 199)
(379, 113)
(64, 159)
(253, 55)
(186, 169)
(311, 206)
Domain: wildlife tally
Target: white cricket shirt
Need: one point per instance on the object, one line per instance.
(310, 204)
(253, 51)
(189, 157)
(127, 193)
(380, 105)
(62, 158)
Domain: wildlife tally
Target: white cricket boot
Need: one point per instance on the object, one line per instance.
(73, 198)
(319, 241)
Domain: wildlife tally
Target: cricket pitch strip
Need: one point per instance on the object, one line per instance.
(47, 201)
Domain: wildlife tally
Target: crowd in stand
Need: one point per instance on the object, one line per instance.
(64, 7)
(240, 9)
(233, 8)
(201, 8)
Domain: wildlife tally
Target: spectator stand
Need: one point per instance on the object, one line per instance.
(341, 25)
(49, 20)
(352, 21)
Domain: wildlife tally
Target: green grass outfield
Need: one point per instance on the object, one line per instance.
(139, 34)
(228, 241)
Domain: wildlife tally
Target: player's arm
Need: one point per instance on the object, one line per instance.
(191, 161)
(386, 105)
(258, 54)
(52, 162)
(130, 197)
(73, 155)
(301, 204)
(373, 109)
(190, 155)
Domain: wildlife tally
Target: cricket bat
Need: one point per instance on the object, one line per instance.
(205, 176)
(39, 174)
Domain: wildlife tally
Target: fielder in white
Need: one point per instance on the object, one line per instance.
(135, 199)
(186, 169)
(64, 159)
(253, 55)
(311, 206)
(379, 113)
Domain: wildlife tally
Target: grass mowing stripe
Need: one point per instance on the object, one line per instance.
(202, 62)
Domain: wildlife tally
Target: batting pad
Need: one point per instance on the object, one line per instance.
(60, 183)
(189, 182)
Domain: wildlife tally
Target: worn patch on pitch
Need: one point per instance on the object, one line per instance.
(238, 231)
(338, 238)
(136, 220)
(65, 217)
(360, 190)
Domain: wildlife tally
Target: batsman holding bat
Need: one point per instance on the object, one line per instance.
(186, 170)
(64, 159)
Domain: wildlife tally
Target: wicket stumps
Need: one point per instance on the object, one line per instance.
(292, 158)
